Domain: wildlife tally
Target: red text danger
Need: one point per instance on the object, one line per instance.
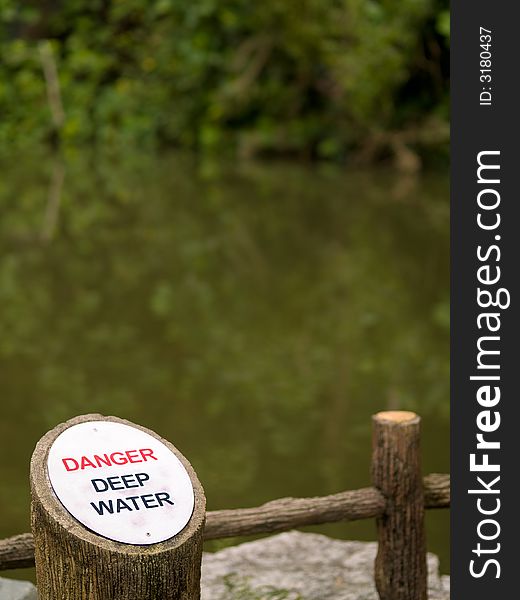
(108, 460)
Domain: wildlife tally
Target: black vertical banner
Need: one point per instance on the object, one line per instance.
(485, 355)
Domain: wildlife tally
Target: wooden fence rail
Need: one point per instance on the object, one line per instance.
(17, 552)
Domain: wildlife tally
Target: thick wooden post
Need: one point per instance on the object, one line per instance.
(400, 569)
(73, 562)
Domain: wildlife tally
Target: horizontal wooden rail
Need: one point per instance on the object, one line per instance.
(17, 552)
(278, 515)
(287, 513)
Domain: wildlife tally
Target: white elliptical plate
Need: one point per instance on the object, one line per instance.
(120, 482)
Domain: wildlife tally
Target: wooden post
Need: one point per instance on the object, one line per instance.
(400, 569)
(75, 563)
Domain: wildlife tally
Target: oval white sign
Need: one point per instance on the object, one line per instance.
(120, 482)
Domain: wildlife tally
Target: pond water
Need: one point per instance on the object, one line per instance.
(256, 315)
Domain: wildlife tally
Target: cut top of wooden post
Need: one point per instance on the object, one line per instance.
(120, 481)
(397, 416)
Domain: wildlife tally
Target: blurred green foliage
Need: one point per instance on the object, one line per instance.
(313, 78)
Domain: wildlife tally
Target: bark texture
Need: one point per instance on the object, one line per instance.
(288, 513)
(437, 490)
(17, 552)
(73, 563)
(400, 568)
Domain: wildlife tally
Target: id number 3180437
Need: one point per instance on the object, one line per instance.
(486, 73)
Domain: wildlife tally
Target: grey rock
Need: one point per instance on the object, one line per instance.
(300, 566)
(10, 589)
(445, 581)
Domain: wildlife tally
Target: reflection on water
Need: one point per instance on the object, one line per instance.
(255, 316)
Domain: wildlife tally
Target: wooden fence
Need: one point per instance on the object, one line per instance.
(397, 502)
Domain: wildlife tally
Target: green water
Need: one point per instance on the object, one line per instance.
(256, 315)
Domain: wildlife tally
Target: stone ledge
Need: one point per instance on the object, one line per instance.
(300, 566)
(10, 589)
